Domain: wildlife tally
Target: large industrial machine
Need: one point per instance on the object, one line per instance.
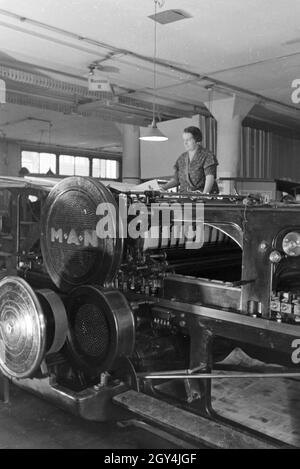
(117, 305)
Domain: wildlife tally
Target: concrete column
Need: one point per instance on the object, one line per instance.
(10, 158)
(229, 114)
(131, 165)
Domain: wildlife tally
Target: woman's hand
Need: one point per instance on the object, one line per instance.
(172, 183)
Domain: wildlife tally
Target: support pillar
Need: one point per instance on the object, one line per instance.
(229, 114)
(131, 166)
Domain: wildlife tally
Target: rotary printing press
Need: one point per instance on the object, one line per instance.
(129, 328)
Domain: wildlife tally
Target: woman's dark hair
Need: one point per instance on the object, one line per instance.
(195, 131)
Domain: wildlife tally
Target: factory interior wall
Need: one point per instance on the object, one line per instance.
(285, 161)
(158, 158)
(269, 155)
(263, 154)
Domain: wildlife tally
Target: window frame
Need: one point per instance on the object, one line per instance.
(74, 152)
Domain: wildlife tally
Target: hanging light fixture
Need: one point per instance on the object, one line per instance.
(153, 134)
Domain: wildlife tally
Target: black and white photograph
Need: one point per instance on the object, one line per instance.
(149, 227)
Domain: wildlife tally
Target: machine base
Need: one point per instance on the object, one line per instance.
(195, 429)
(93, 403)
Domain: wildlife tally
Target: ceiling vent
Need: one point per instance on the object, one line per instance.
(169, 16)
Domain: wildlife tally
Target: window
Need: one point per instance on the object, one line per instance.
(66, 165)
(47, 163)
(82, 166)
(105, 169)
(39, 163)
(74, 165)
(31, 161)
(70, 165)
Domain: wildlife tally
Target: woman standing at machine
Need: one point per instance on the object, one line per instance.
(196, 168)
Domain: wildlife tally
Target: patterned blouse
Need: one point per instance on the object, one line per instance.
(191, 175)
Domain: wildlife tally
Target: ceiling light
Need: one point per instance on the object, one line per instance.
(153, 134)
(169, 16)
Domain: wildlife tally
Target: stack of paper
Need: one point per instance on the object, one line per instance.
(125, 187)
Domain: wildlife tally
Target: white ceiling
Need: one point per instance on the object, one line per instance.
(250, 47)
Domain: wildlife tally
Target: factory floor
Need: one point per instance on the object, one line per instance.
(30, 422)
(268, 405)
(271, 406)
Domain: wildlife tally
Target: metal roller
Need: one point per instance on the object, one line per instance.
(73, 253)
(101, 327)
(56, 316)
(211, 237)
(22, 329)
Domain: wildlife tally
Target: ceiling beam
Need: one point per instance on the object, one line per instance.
(43, 92)
(79, 39)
